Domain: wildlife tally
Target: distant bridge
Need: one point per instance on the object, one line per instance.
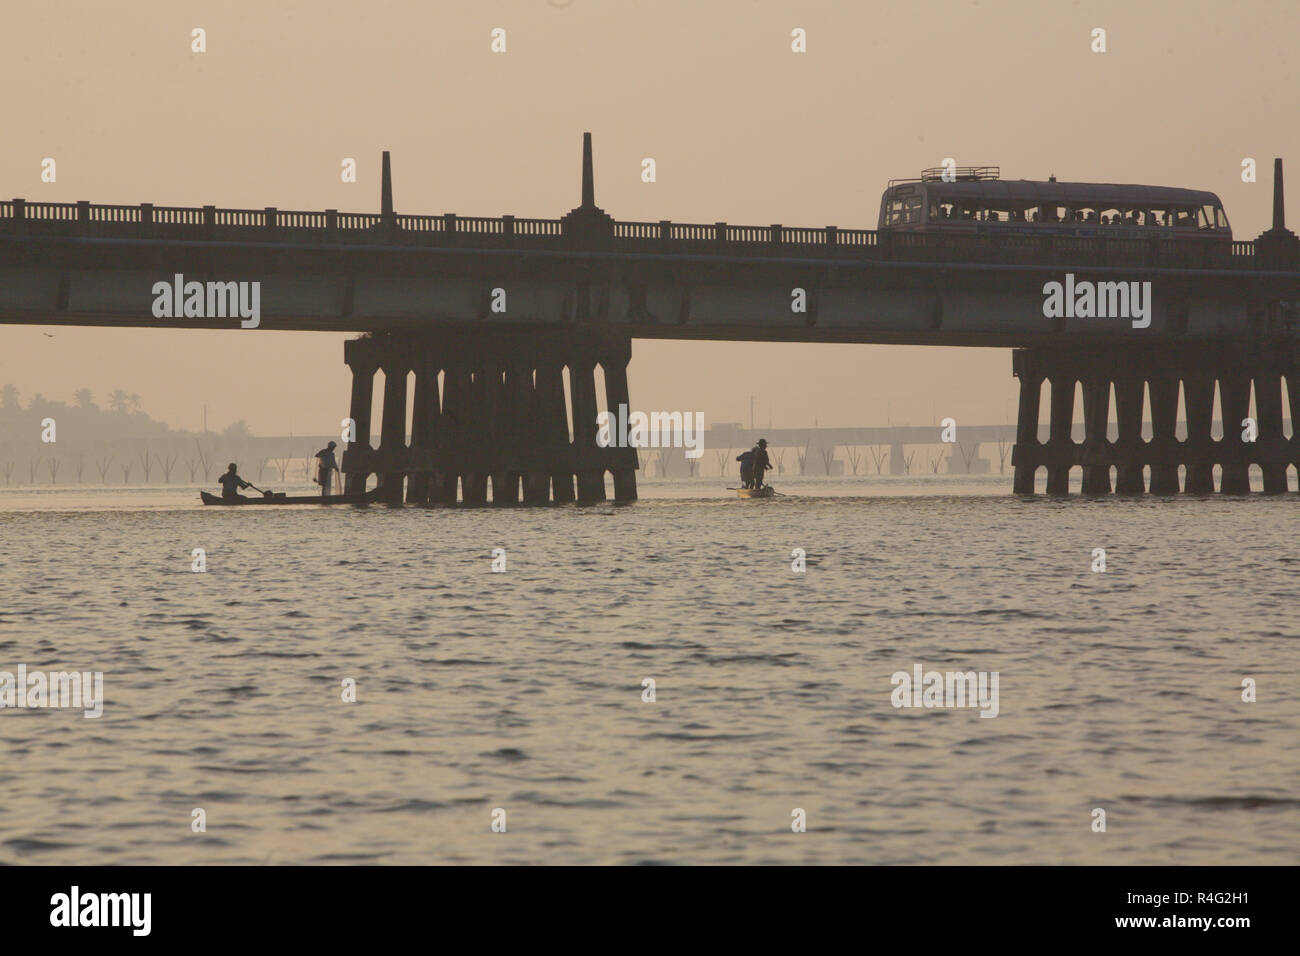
(490, 313)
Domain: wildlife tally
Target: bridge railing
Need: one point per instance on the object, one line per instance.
(147, 221)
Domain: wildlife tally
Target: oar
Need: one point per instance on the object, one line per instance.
(265, 494)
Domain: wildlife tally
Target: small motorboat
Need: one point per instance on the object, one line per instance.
(280, 498)
(767, 491)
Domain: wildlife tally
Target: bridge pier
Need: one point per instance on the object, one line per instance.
(392, 430)
(1024, 460)
(1128, 450)
(1096, 402)
(1159, 369)
(1272, 440)
(500, 420)
(1198, 405)
(1163, 390)
(363, 389)
(1060, 443)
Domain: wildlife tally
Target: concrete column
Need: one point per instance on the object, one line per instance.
(1198, 449)
(582, 384)
(1024, 454)
(1060, 443)
(1293, 399)
(1234, 403)
(1129, 446)
(1164, 440)
(1096, 446)
(503, 434)
(554, 429)
(525, 431)
(424, 416)
(392, 438)
(363, 387)
(1272, 442)
(456, 425)
(476, 436)
(616, 394)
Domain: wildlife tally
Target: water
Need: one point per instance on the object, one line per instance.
(523, 690)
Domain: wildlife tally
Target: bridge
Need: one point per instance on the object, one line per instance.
(504, 321)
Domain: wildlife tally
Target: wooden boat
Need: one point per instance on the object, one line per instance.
(280, 498)
(767, 491)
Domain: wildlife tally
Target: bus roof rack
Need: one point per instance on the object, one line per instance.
(958, 174)
(961, 174)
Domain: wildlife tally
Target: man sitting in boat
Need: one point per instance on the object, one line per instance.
(761, 462)
(231, 483)
(746, 460)
(325, 470)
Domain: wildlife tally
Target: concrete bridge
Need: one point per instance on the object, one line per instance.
(504, 321)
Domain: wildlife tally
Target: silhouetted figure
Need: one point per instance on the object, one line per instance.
(231, 483)
(746, 460)
(325, 470)
(761, 462)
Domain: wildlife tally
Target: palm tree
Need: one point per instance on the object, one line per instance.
(84, 398)
(119, 401)
(9, 397)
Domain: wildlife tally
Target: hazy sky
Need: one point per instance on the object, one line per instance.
(741, 129)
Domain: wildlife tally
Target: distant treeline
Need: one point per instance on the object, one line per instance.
(120, 417)
(120, 444)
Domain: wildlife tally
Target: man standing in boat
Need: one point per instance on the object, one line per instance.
(325, 470)
(231, 483)
(746, 460)
(761, 462)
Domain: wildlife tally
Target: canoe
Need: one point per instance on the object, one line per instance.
(280, 498)
(767, 491)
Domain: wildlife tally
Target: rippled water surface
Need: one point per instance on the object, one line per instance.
(522, 690)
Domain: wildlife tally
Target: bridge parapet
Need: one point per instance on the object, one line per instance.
(330, 227)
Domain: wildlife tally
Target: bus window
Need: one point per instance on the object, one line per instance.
(912, 209)
(1187, 217)
(1212, 217)
(1112, 217)
(894, 212)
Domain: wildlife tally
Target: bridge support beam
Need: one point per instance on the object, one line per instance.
(1163, 390)
(1159, 368)
(502, 419)
(1096, 417)
(1060, 443)
(1234, 405)
(1198, 402)
(363, 390)
(392, 432)
(1128, 449)
(1026, 451)
(1272, 440)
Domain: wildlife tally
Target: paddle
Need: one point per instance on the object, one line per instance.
(265, 494)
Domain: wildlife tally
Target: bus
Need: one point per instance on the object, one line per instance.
(974, 200)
